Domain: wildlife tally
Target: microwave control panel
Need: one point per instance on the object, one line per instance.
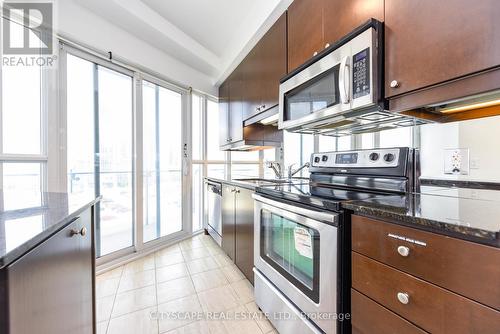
(361, 74)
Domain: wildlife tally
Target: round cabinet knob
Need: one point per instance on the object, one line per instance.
(389, 157)
(315, 53)
(394, 84)
(83, 231)
(374, 156)
(403, 251)
(327, 45)
(403, 298)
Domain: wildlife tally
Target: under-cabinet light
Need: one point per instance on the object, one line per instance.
(470, 106)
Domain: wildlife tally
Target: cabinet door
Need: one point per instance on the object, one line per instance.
(50, 289)
(224, 113)
(253, 80)
(342, 16)
(429, 42)
(305, 31)
(228, 216)
(272, 62)
(236, 105)
(244, 232)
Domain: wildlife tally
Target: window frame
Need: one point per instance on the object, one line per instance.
(47, 103)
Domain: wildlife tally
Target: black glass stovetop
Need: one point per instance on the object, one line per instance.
(322, 196)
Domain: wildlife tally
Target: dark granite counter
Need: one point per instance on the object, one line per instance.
(470, 214)
(27, 219)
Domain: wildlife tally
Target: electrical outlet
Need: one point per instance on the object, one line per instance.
(456, 161)
(474, 163)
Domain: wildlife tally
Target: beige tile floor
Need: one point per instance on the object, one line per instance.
(191, 277)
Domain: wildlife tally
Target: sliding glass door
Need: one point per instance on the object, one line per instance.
(99, 147)
(125, 143)
(162, 161)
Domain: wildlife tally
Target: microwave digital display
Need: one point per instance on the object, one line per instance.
(346, 158)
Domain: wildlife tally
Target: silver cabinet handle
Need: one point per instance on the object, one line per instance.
(344, 92)
(82, 232)
(403, 251)
(327, 45)
(394, 84)
(403, 298)
(236, 191)
(263, 107)
(315, 53)
(233, 190)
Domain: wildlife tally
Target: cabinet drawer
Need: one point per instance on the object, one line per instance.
(430, 307)
(368, 317)
(463, 267)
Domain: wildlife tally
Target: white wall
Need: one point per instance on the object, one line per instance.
(480, 136)
(81, 25)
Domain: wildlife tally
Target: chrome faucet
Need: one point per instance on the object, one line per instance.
(292, 172)
(276, 167)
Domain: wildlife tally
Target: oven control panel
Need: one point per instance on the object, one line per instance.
(376, 158)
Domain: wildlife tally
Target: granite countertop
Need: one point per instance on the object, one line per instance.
(26, 219)
(470, 214)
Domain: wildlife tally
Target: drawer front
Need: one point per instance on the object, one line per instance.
(428, 306)
(368, 317)
(466, 268)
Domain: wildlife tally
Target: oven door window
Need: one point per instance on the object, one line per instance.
(316, 94)
(292, 249)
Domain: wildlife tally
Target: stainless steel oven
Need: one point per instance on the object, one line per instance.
(342, 79)
(296, 265)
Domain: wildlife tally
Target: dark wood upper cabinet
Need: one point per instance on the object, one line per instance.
(342, 16)
(272, 52)
(305, 31)
(224, 113)
(314, 24)
(428, 42)
(263, 68)
(236, 103)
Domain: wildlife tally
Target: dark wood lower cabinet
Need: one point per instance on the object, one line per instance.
(244, 232)
(51, 288)
(370, 317)
(228, 227)
(420, 281)
(237, 227)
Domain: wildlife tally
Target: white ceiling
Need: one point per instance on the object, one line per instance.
(211, 36)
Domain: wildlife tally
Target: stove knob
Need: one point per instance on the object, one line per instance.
(324, 158)
(389, 157)
(316, 159)
(374, 156)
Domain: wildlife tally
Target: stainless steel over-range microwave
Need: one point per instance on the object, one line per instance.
(342, 81)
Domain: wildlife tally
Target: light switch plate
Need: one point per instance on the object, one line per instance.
(456, 161)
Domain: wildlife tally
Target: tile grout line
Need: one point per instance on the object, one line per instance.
(114, 299)
(156, 294)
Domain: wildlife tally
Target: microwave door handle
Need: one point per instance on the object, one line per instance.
(344, 92)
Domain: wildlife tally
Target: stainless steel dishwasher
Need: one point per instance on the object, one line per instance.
(214, 202)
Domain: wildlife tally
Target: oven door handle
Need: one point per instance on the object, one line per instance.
(327, 217)
(344, 93)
